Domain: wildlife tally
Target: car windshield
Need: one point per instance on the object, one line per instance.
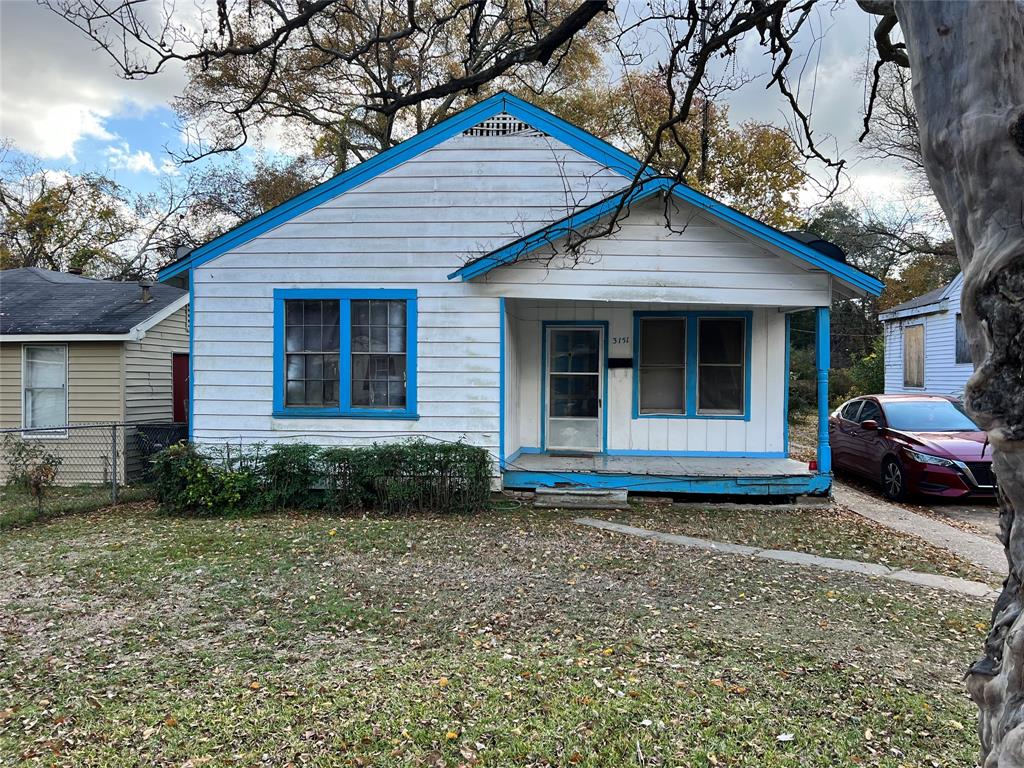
(928, 416)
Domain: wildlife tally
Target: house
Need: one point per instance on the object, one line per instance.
(428, 291)
(926, 349)
(78, 351)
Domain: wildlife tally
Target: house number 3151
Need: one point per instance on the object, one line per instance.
(620, 339)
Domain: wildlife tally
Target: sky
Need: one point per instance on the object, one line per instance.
(62, 102)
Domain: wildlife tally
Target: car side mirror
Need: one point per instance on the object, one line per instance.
(869, 424)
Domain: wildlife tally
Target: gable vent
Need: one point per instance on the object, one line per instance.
(502, 124)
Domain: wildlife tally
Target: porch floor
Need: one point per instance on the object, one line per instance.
(668, 466)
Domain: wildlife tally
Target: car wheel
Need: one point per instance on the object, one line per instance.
(894, 480)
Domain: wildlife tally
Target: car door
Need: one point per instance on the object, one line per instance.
(867, 445)
(841, 428)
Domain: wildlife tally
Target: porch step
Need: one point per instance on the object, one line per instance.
(580, 498)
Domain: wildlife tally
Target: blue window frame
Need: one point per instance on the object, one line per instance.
(366, 370)
(689, 404)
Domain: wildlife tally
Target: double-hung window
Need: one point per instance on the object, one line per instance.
(721, 366)
(345, 353)
(692, 365)
(44, 400)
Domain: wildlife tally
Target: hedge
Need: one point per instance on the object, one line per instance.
(412, 476)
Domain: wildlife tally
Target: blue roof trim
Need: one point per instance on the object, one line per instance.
(576, 138)
(642, 191)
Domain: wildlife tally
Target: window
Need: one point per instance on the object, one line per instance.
(45, 387)
(870, 412)
(345, 353)
(311, 343)
(691, 365)
(721, 358)
(849, 411)
(913, 356)
(378, 353)
(662, 368)
(963, 349)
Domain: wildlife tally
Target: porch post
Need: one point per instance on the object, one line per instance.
(822, 341)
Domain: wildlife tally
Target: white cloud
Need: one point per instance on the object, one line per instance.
(121, 158)
(56, 89)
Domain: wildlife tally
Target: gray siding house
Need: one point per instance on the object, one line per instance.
(79, 351)
(926, 349)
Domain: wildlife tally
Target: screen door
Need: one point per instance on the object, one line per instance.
(574, 383)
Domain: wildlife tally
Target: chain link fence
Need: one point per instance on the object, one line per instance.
(78, 467)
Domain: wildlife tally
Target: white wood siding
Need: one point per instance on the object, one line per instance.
(763, 433)
(942, 374)
(697, 261)
(407, 228)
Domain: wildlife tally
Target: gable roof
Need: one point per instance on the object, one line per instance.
(860, 281)
(576, 138)
(924, 303)
(38, 302)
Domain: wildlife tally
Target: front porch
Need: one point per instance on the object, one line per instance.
(665, 474)
(702, 411)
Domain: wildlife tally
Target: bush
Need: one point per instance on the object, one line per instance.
(868, 373)
(414, 476)
(29, 464)
(188, 483)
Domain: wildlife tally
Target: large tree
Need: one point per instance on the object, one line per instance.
(967, 64)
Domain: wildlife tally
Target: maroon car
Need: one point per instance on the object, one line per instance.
(912, 444)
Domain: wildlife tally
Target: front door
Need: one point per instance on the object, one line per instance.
(574, 388)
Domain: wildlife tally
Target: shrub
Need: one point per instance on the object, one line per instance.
(413, 476)
(290, 474)
(29, 464)
(868, 373)
(188, 483)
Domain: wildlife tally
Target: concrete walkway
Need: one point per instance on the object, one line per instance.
(984, 552)
(935, 581)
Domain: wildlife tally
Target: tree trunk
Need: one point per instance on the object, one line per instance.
(967, 62)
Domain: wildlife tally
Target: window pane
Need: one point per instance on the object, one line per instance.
(44, 408)
(574, 396)
(721, 340)
(330, 313)
(360, 312)
(720, 389)
(314, 366)
(396, 394)
(293, 339)
(663, 341)
(331, 367)
(331, 392)
(314, 392)
(396, 313)
(330, 339)
(378, 338)
(296, 367)
(963, 349)
(313, 337)
(662, 390)
(312, 312)
(295, 393)
(293, 312)
(45, 367)
(360, 338)
(379, 312)
(870, 411)
(396, 339)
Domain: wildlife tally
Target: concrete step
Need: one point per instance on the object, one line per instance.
(580, 498)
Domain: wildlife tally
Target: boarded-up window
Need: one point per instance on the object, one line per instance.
(663, 365)
(963, 349)
(913, 356)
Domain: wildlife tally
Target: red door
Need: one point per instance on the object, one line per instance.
(179, 387)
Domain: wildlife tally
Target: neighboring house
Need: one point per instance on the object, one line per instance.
(75, 351)
(416, 294)
(926, 349)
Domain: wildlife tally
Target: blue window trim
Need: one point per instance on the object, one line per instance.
(785, 391)
(692, 320)
(345, 409)
(545, 324)
(501, 383)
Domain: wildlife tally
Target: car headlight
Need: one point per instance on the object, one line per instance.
(924, 458)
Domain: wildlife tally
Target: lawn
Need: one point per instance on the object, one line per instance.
(18, 506)
(514, 639)
(826, 531)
